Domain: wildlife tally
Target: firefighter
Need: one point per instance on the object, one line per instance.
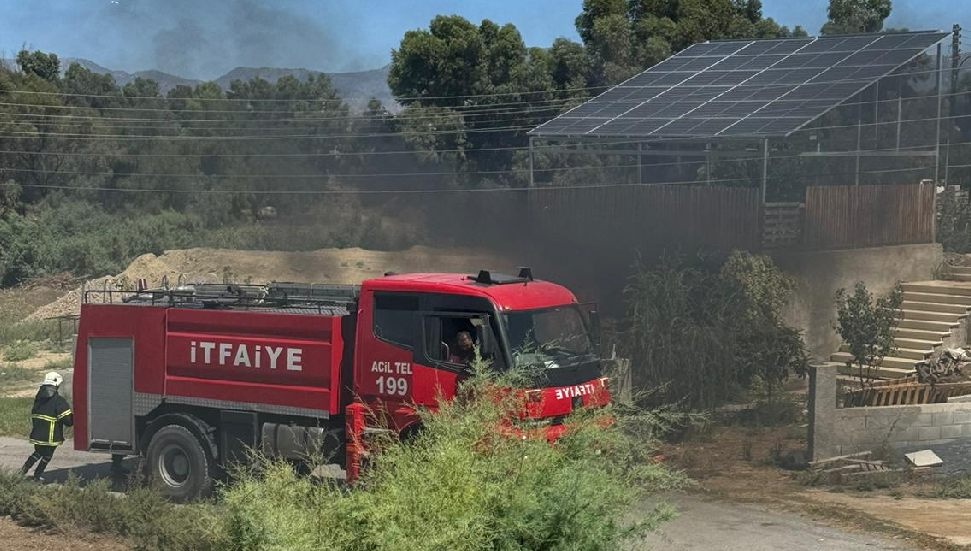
(50, 414)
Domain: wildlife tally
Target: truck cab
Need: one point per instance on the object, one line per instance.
(409, 350)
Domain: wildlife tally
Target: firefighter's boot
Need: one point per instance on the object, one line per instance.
(41, 466)
(29, 463)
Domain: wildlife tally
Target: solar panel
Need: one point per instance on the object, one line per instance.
(742, 87)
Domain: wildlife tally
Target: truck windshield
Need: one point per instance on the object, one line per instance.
(552, 337)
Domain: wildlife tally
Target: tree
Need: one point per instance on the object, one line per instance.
(445, 61)
(856, 16)
(626, 36)
(570, 65)
(866, 326)
(458, 66)
(83, 85)
(37, 63)
(141, 88)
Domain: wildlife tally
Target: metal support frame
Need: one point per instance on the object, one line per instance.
(947, 161)
(937, 134)
(869, 153)
(876, 115)
(765, 168)
(532, 181)
(900, 110)
(859, 138)
(640, 163)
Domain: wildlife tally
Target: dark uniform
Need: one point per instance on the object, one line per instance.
(49, 416)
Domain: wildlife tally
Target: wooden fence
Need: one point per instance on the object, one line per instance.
(851, 217)
(612, 222)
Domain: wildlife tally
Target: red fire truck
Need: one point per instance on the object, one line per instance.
(191, 377)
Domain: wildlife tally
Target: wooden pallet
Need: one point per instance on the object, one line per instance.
(836, 470)
(909, 393)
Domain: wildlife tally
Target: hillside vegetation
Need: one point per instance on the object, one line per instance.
(95, 171)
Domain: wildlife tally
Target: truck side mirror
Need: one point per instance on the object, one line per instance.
(483, 336)
(595, 336)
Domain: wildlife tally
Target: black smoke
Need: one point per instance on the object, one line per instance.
(205, 39)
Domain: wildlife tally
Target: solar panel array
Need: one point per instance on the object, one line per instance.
(742, 87)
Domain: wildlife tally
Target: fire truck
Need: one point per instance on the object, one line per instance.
(191, 377)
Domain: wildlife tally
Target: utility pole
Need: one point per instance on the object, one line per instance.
(955, 57)
(955, 68)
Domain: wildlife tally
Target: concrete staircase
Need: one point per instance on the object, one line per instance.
(933, 315)
(959, 273)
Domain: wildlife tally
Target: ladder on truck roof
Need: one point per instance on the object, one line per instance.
(307, 298)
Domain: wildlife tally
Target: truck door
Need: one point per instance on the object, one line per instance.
(388, 338)
(407, 350)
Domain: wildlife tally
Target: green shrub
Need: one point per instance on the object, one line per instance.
(956, 487)
(62, 364)
(142, 516)
(866, 325)
(19, 351)
(954, 223)
(31, 331)
(15, 415)
(12, 373)
(460, 484)
(475, 485)
(706, 335)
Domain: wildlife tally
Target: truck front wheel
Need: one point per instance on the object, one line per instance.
(178, 464)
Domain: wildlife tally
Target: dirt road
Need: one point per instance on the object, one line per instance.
(702, 524)
(13, 452)
(727, 526)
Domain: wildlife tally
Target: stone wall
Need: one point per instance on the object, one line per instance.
(839, 431)
(819, 274)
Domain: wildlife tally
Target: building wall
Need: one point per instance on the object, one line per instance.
(839, 431)
(819, 274)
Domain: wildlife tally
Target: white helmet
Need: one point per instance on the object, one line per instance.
(53, 378)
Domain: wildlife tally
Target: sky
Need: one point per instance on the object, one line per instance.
(206, 38)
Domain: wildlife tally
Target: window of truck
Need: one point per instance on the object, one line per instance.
(552, 337)
(394, 318)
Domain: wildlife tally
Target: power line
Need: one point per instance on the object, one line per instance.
(416, 191)
(910, 74)
(361, 117)
(399, 99)
(301, 176)
(86, 136)
(453, 172)
(273, 111)
(411, 132)
(420, 98)
(173, 123)
(284, 123)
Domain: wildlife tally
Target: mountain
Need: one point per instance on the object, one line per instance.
(165, 81)
(355, 88)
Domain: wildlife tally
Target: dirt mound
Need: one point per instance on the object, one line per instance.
(322, 266)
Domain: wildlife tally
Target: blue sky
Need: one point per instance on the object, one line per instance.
(206, 38)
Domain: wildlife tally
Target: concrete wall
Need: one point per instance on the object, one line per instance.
(839, 431)
(819, 274)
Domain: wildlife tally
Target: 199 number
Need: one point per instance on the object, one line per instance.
(392, 386)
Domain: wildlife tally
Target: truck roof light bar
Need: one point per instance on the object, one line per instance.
(485, 277)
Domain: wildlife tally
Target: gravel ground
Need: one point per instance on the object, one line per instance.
(702, 524)
(727, 526)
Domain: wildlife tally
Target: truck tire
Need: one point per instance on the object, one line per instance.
(178, 464)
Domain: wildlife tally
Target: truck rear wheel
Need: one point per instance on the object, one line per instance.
(178, 464)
